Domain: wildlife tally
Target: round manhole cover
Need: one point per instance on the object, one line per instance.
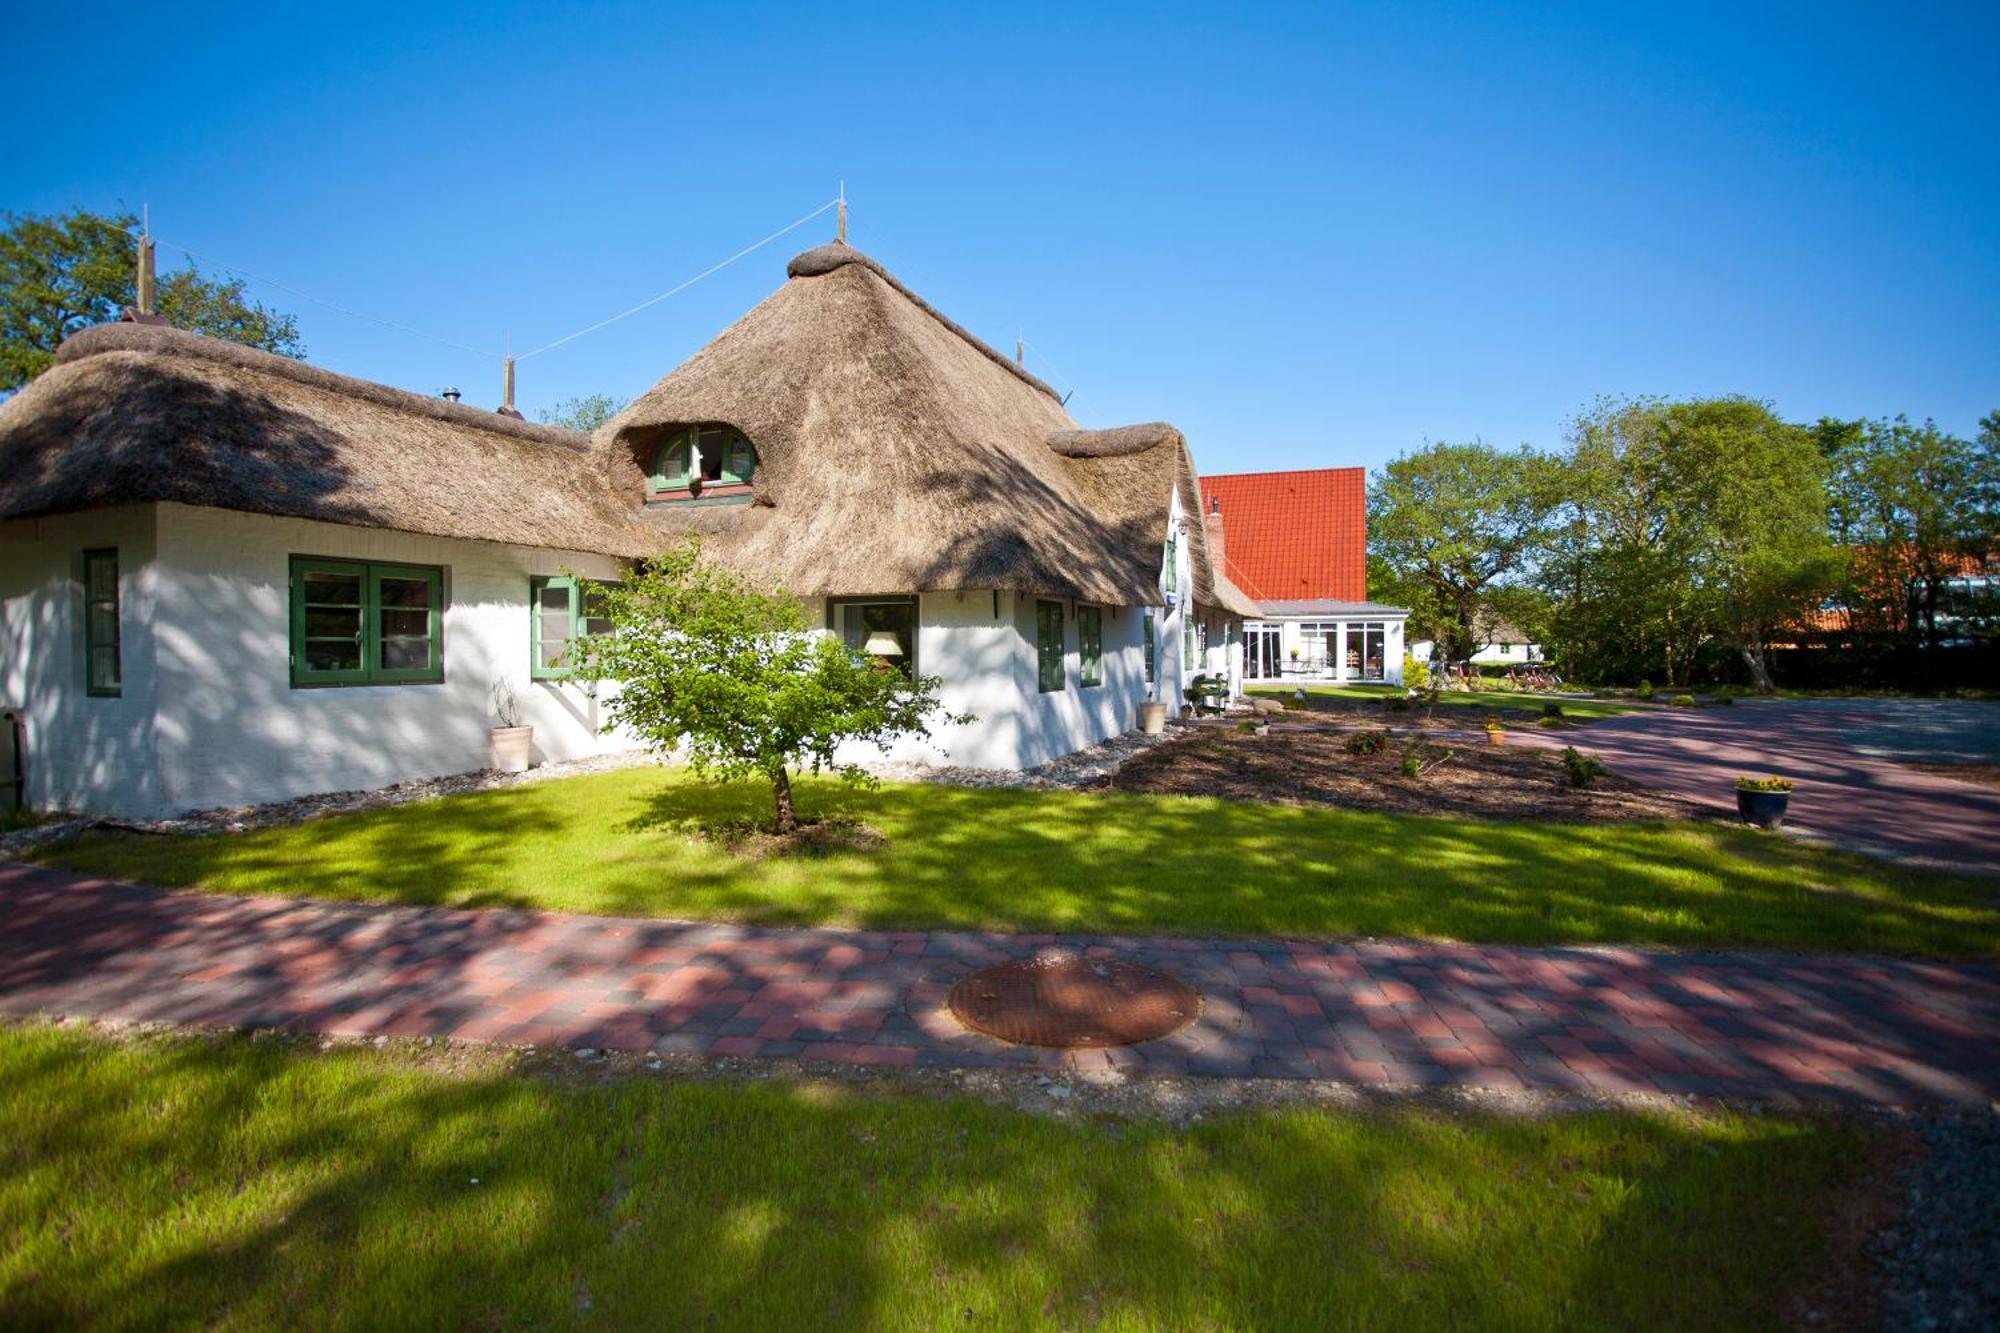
(1060, 999)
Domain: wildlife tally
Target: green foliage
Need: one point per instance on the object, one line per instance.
(1416, 674)
(1457, 521)
(1580, 768)
(1552, 709)
(1685, 523)
(1763, 784)
(1645, 690)
(1682, 701)
(1366, 742)
(59, 274)
(585, 413)
(731, 676)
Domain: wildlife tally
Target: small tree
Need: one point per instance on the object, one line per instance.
(732, 674)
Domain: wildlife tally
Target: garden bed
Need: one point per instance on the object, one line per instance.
(1309, 763)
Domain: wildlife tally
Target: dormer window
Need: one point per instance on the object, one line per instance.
(712, 462)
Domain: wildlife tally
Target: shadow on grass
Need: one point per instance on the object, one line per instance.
(622, 843)
(203, 1182)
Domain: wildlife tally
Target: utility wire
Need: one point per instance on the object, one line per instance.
(672, 291)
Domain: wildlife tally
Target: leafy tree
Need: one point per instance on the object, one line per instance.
(1451, 523)
(1682, 523)
(733, 676)
(585, 413)
(60, 274)
(1924, 505)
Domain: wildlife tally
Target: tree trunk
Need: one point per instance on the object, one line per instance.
(1753, 657)
(781, 792)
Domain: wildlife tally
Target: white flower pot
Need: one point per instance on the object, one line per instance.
(511, 748)
(1152, 718)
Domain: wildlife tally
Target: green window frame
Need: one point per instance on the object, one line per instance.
(1190, 648)
(1090, 644)
(1170, 578)
(561, 610)
(360, 623)
(726, 458)
(103, 670)
(1050, 666)
(1152, 649)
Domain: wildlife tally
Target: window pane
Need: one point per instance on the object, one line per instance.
(405, 654)
(333, 589)
(104, 668)
(333, 655)
(333, 622)
(554, 597)
(405, 624)
(405, 592)
(713, 441)
(103, 578)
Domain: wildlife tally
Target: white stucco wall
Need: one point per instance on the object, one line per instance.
(82, 751)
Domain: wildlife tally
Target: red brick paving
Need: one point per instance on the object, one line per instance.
(1843, 796)
(1618, 1019)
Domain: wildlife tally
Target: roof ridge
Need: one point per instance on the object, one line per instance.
(824, 259)
(1284, 472)
(165, 341)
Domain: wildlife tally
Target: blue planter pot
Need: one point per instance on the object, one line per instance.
(1765, 809)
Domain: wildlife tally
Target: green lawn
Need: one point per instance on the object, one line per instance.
(233, 1183)
(625, 843)
(1581, 709)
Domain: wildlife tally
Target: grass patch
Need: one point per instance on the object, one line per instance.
(633, 842)
(236, 1183)
(1579, 709)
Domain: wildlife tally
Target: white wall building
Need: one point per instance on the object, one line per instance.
(1345, 643)
(228, 578)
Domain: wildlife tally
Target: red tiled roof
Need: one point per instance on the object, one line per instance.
(1293, 536)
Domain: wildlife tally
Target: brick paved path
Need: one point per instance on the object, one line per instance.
(1611, 1020)
(1846, 794)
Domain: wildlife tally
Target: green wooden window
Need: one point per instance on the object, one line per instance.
(363, 624)
(1170, 579)
(561, 611)
(703, 456)
(1090, 643)
(103, 672)
(1050, 668)
(1189, 650)
(1152, 649)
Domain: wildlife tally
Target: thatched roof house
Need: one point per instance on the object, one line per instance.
(228, 577)
(896, 450)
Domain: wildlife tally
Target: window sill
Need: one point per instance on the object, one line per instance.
(717, 493)
(363, 684)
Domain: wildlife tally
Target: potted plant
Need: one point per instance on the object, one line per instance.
(1152, 717)
(510, 745)
(1495, 733)
(1762, 801)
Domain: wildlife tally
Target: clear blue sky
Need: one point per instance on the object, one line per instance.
(1308, 235)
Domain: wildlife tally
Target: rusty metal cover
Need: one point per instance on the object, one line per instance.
(1059, 998)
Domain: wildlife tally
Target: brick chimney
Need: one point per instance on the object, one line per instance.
(1212, 520)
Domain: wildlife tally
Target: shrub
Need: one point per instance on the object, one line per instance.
(1493, 722)
(1416, 674)
(1581, 769)
(1763, 784)
(1366, 742)
(1552, 710)
(1247, 727)
(1419, 757)
(1645, 690)
(1682, 701)
(1556, 723)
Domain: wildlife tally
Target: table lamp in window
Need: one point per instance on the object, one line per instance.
(882, 646)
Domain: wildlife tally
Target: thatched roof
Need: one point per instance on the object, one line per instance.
(897, 451)
(133, 413)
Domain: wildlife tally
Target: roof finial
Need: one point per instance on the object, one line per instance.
(507, 408)
(1019, 342)
(146, 260)
(840, 233)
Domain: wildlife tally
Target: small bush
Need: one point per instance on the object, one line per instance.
(1399, 705)
(1247, 727)
(1580, 768)
(1552, 710)
(1493, 722)
(1420, 757)
(1645, 690)
(1553, 722)
(1416, 674)
(1366, 742)
(1682, 701)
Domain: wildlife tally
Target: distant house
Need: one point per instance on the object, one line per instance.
(227, 577)
(1296, 543)
(1499, 642)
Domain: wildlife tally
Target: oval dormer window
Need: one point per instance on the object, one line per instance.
(698, 459)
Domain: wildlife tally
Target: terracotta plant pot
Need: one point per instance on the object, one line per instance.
(511, 748)
(1152, 718)
(1496, 738)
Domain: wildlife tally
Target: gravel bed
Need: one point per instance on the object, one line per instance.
(1940, 1263)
